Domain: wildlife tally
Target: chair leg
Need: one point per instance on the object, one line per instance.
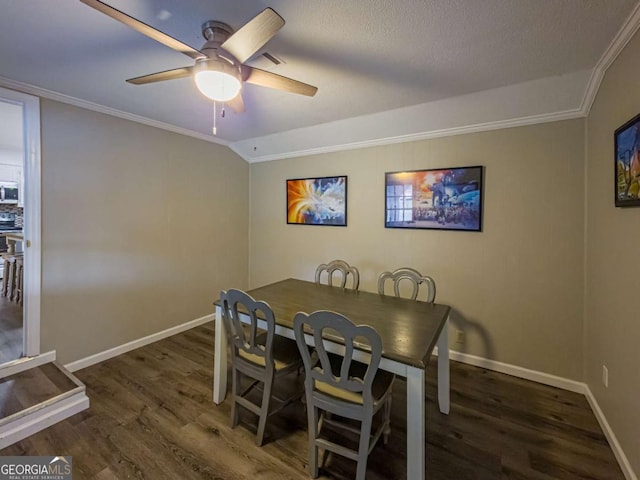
(312, 415)
(264, 411)
(235, 381)
(387, 421)
(363, 450)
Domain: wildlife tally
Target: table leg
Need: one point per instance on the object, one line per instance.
(416, 424)
(443, 369)
(220, 360)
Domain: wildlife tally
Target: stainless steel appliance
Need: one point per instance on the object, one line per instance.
(9, 192)
(7, 224)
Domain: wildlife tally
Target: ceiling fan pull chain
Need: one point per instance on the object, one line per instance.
(214, 118)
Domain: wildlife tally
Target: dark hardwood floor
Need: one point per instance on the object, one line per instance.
(152, 417)
(10, 330)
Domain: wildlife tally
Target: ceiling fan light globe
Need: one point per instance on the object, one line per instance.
(218, 86)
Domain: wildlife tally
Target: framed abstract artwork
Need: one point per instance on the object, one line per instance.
(438, 199)
(317, 201)
(627, 164)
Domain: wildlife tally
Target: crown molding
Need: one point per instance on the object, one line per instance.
(447, 132)
(240, 147)
(60, 97)
(543, 100)
(564, 104)
(624, 35)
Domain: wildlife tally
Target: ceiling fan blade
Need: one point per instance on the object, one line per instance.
(162, 76)
(263, 78)
(236, 104)
(145, 29)
(254, 34)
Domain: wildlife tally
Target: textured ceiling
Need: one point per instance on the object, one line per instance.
(364, 56)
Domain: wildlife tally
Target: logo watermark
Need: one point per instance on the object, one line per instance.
(36, 468)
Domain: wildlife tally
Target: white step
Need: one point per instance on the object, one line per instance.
(17, 425)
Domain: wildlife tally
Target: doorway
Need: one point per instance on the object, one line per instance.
(11, 220)
(20, 169)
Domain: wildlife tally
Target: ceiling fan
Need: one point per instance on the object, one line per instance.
(219, 68)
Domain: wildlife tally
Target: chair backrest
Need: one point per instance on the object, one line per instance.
(337, 375)
(339, 266)
(413, 277)
(247, 344)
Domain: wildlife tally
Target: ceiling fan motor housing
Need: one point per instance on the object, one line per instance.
(216, 31)
(217, 59)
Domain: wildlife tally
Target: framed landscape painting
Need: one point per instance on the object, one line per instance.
(317, 201)
(627, 168)
(440, 199)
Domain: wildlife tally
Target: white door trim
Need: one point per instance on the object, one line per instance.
(32, 224)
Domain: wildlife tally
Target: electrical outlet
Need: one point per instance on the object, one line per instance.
(605, 376)
(459, 336)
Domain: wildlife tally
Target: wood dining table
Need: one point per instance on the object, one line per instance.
(409, 330)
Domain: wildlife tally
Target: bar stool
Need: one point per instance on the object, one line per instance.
(18, 297)
(9, 276)
(5, 275)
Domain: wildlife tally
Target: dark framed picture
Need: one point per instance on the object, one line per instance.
(317, 201)
(627, 170)
(440, 199)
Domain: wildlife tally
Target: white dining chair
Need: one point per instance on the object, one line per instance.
(411, 276)
(260, 356)
(345, 271)
(338, 387)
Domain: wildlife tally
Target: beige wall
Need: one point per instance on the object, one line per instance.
(517, 287)
(612, 263)
(141, 228)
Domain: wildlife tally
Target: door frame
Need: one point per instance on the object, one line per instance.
(32, 221)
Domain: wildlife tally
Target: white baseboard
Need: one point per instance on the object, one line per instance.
(553, 381)
(141, 342)
(43, 418)
(25, 363)
(520, 372)
(623, 461)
